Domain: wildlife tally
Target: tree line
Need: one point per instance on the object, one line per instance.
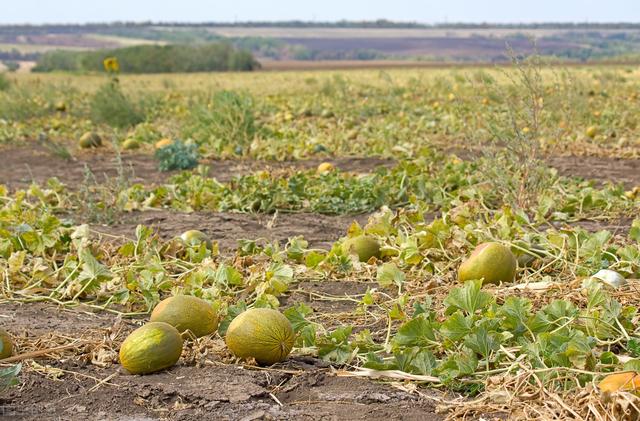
(153, 59)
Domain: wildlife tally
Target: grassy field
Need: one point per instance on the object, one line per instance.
(284, 172)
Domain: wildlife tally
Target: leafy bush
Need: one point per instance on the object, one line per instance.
(226, 122)
(153, 59)
(111, 106)
(177, 156)
(11, 65)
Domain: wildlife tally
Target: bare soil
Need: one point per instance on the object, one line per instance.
(615, 170)
(227, 228)
(31, 162)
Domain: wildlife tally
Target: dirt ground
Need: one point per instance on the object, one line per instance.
(226, 228)
(626, 171)
(25, 164)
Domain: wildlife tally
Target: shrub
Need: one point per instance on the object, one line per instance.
(111, 106)
(12, 66)
(177, 156)
(226, 122)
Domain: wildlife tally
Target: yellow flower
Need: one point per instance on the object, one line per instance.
(111, 65)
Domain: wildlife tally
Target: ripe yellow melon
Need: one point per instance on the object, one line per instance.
(195, 238)
(364, 246)
(60, 106)
(186, 312)
(492, 262)
(150, 348)
(90, 140)
(6, 346)
(163, 143)
(325, 167)
(591, 131)
(130, 144)
(629, 381)
(260, 333)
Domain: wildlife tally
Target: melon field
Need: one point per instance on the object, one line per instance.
(422, 244)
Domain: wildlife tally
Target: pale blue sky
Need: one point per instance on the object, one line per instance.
(428, 11)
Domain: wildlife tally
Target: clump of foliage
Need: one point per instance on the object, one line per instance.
(225, 122)
(111, 106)
(153, 59)
(177, 156)
(11, 65)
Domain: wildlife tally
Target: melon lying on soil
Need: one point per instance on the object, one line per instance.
(60, 106)
(130, 144)
(6, 346)
(492, 262)
(195, 238)
(591, 131)
(162, 143)
(627, 381)
(262, 334)
(186, 312)
(325, 168)
(150, 348)
(364, 246)
(90, 140)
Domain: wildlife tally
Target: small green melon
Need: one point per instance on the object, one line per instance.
(90, 140)
(130, 144)
(260, 333)
(186, 312)
(492, 262)
(364, 246)
(6, 346)
(150, 348)
(195, 238)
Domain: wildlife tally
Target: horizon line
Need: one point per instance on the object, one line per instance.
(310, 23)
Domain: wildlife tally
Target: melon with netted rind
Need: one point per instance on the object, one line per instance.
(150, 348)
(90, 140)
(492, 262)
(186, 312)
(263, 334)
